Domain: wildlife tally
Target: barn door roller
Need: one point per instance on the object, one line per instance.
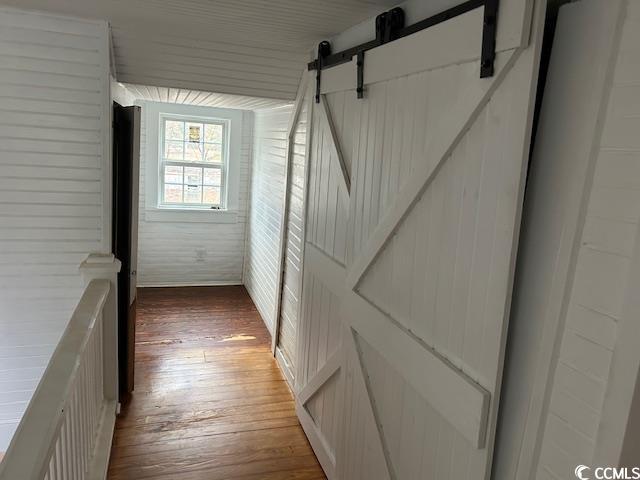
(390, 26)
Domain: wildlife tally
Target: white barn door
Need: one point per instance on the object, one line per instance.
(413, 210)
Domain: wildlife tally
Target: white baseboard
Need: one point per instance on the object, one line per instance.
(191, 284)
(100, 461)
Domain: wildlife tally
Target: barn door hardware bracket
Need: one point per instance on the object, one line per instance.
(360, 65)
(390, 26)
(324, 50)
(489, 28)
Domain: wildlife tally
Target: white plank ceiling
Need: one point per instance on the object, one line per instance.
(243, 47)
(202, 99)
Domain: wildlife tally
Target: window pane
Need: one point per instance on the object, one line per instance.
(213, 133)
(193, 152)
(173, 193)
(173, 130)
(192, 194)
(194, 132)
(172, 174)
(213, 153)
(173, 150)
(193, 175)
(211, 195)
(213, 176)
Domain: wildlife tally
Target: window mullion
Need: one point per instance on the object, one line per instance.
(202, 179)
(176, 163)
(183, 185)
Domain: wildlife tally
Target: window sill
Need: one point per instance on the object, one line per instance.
(180, 215)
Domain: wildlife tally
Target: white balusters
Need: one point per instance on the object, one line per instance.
(72, 454)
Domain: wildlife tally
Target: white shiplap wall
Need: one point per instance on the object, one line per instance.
(54, 120)
(558, 181)
(193, 253)
(265, 213)
(589, 335)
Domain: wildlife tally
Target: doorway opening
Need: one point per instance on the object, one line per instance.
(197, 369)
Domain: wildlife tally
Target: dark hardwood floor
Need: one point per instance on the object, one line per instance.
(209, 401)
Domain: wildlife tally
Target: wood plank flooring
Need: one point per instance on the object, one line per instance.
(209, 401)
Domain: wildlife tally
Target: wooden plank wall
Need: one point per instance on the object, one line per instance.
(195, 253)
(54, 144)
(589, 335)
(265, 211)
(294, 240)
(560, 166)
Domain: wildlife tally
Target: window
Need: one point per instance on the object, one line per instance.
(202, 176)
(193, 160)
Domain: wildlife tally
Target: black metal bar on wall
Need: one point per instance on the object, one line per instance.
(390, 26)
(490, 27)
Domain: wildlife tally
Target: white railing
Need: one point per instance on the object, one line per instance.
(66, 431)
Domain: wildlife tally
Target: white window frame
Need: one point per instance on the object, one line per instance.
(163, 162)
(154, 210)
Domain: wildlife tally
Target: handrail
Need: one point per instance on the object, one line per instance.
(30, 450)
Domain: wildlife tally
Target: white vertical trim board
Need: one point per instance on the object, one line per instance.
(596, 361)
(560, 175)
(107, 138)
(284, 231)
(292, 234)
(55, 138)
(262, 253)
(293, 261)
(574, 354)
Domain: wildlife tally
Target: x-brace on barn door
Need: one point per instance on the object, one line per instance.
(413, 209)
